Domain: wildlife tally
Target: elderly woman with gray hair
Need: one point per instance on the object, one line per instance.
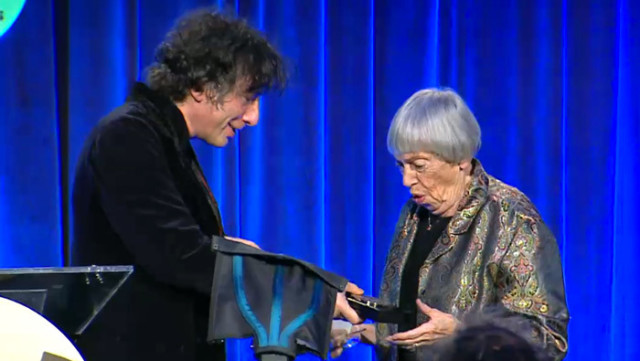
(464, 242)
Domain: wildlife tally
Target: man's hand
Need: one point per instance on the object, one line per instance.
(342, 306)
(439, 326)
(366, 333)
(240, 240)
(338, 340)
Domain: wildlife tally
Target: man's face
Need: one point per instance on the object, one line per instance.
(217, 122)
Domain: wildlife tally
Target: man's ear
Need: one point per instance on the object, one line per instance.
(198, 96)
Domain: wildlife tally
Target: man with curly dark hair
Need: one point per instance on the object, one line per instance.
(139, 195)
(214, 69)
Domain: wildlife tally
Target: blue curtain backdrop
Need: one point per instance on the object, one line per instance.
(552, 83)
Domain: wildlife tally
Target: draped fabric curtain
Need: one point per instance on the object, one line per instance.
(553, 85)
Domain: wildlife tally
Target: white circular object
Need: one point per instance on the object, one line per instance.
(25, 335)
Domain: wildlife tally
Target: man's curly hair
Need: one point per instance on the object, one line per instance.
(207, 51)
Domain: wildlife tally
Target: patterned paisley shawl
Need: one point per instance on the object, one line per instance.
(495, 253)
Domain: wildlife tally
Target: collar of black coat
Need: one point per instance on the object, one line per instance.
(166, 112)
(474, 198)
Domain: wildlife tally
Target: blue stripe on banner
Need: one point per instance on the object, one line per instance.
(276, 307)
(300, 320)
(243, 303)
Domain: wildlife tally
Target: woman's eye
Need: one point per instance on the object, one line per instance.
(419, 166)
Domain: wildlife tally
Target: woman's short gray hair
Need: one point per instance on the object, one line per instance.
(436, 121)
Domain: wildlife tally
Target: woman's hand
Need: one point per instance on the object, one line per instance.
(440, 325)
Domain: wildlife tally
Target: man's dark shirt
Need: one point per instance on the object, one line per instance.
(139, 198)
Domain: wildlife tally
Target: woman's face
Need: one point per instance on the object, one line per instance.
(433, 182)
